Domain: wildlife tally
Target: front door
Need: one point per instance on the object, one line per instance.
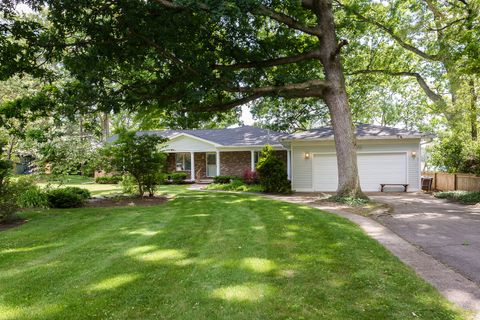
(211, 164)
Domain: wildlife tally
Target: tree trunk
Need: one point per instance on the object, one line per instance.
(336, 99)
(473, 110)
(105, 123)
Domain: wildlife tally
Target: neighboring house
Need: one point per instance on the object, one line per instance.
(385, 155)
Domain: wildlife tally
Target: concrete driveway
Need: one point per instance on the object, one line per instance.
(447, 231)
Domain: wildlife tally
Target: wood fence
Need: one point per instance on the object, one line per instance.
(453, 181)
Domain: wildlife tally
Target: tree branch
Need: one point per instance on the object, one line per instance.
(227, 105)
(311, 88)
(340, 45)
(395, 37)
(272, 62)
(287, 20)
(435, 97)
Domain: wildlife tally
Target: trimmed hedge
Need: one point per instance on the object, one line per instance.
(224, 179)
(108, 179)
(69, 197)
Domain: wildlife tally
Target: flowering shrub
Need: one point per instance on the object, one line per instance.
(250, 177)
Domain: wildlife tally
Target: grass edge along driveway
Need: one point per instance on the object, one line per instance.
(205, 255)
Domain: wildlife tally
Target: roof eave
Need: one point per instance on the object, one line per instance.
(331, 138)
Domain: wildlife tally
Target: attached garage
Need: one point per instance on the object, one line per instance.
(374, 169)
(385, 155)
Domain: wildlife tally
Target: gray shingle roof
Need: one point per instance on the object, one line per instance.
(241, 136)
(362, 130)
(253, 136)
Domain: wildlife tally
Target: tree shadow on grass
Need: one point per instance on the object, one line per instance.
(219, 256)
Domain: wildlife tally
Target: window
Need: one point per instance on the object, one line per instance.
(257, 155)
(183, 161)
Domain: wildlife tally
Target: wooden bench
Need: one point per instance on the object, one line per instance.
(382, 185)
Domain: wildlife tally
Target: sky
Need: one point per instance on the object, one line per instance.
(246, 116)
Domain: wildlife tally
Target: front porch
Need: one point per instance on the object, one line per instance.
(204, 166)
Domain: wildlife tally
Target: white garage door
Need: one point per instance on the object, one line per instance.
(373, 169)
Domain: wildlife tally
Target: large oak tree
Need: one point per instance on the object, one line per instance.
(195, 57)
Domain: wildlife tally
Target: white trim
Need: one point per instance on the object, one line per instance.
(193, 137)
(292, 182)
(192, 166)
(218, 163)
(289, 163)
(252, 160)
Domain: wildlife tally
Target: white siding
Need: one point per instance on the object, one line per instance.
(302, 172)
(187, 144)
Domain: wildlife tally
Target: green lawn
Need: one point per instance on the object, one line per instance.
(205, 256)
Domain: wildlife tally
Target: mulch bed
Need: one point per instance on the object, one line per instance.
(11, 224)
(125, 202)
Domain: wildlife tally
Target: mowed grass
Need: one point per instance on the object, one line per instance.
(205, 256)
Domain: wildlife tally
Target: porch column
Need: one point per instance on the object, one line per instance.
(289, 165)
(252, 160)
(218, 163)
(192, 166)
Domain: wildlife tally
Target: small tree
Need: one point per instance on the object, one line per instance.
(139, 156)
(272, 172)
(8, 194)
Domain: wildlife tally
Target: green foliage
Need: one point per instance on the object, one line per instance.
(464, 197)
(138, 156)
(177, 177)
(33, 197)
(152, 181)
(272, 172)
(224, 179)
(8, 192)
(29, 194)
(129, 185)
(290, 115)
(108, 179)
(69, 197)
(236, 185)
(456, 153)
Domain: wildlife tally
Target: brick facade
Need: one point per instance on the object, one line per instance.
(232, 163)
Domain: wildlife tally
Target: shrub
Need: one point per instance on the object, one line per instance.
(250, 177)
(272, 172)
(69, 197)
(464, 197)
(129, 185)
(152, 182)
(8, 192)
(177, 177)
(33, 197)
(224, 179)
(108, 179)
(235, 185)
